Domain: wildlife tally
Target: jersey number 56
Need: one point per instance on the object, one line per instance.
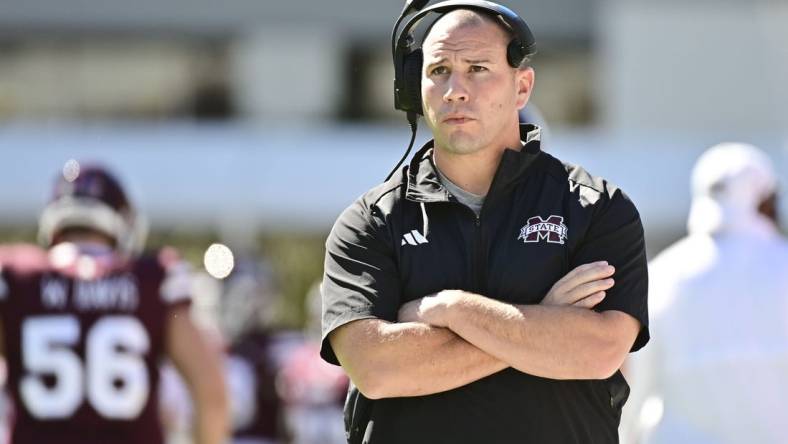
(113, 378)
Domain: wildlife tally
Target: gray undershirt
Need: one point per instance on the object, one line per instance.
(472, 201)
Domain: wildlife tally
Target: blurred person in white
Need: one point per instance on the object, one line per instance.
(313, 390)
(87, 319)
(717, 368)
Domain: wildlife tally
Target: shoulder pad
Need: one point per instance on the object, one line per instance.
(23, 258)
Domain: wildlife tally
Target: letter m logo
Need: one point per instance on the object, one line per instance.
(552, 230)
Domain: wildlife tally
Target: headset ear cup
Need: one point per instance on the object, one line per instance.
(412, 81)
(515, 54)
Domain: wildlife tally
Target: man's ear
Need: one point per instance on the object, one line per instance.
(524, 79)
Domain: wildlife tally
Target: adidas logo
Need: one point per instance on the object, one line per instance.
(414, 238)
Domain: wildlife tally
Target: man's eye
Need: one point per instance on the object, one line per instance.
(478, 68)
(438, 70)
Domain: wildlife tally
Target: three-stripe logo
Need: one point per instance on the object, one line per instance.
(414, 238)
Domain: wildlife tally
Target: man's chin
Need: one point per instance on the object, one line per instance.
(461, 146)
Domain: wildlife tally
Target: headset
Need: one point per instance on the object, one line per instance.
(408, 58)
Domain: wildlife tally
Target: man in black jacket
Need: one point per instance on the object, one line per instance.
(488, 292)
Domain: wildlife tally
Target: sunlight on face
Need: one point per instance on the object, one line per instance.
(469, 90)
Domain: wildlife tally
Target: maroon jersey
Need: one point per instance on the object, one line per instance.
(83, 335)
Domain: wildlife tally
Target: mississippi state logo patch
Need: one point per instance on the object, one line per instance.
(551, 230)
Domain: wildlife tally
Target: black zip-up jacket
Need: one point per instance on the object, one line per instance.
(408, 238)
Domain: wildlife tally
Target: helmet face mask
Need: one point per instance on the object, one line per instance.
(94, 201)
(78, 234)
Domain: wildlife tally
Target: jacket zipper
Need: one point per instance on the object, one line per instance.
(478, 253)
(478, 262)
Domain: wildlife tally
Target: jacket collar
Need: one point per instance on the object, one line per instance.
(424, 185)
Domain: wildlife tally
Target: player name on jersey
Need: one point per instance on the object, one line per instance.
(111, 293)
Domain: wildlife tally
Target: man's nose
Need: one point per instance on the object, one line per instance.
(457, 89)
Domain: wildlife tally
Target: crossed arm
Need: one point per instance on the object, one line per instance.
(453, 338)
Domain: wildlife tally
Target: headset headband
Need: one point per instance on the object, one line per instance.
(522, 33)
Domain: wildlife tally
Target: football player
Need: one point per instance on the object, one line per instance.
(86, 321)
(255, 352)
(240, 311)
(313, 390)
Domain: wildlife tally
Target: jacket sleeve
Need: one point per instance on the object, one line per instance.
(616, 236)
(360, 278)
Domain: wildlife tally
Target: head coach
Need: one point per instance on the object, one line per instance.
(487, 292)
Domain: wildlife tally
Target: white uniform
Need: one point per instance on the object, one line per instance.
(716, 370)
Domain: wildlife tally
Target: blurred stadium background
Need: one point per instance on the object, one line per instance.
(254, 123)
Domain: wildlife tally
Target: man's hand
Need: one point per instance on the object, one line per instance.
(582, 287)
(429, 309)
